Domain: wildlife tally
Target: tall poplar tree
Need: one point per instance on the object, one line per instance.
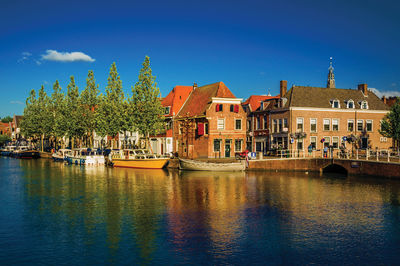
(90, 101)
(59, 112)
(111, 114)
(30, 124)
(75, 128)
(45, 118)
(147, 111)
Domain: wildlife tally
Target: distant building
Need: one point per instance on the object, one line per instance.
(5, 129)
(15, 127)
(211, 124)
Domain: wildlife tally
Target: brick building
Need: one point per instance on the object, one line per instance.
(211, 124)
(5, 129)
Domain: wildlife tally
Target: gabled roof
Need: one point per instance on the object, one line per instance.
(17, 120)
(254, 101)
(200, 98)
(300, 96)
(176, 98)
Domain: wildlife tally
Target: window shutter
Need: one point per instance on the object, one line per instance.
(200, 129)
(236, 109)
(217, 108)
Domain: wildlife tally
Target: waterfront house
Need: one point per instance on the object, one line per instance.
(210, 124)
(172, 103)
(256, 108)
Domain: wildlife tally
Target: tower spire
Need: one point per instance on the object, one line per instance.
(331, 76)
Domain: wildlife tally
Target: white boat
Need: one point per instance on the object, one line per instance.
(60, 155)
(185, 164)
(138, 159)
(85, 157)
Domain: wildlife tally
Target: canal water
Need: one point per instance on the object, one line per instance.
(54, 214)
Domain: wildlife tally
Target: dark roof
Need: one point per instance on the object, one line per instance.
(300, 96)
(200, 98)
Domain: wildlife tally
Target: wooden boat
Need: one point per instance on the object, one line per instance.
(138, 159)
(61, 155)
(185, 164)
(24, 152)
(8, 150)
(84, 157)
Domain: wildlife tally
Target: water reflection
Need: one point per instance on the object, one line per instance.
(149, 216)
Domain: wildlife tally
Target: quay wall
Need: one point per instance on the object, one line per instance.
(353, 167)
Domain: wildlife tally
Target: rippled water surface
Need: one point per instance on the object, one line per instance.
(53, 214)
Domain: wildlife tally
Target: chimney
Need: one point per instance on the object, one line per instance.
(194, 85)
(283, 88)
(363, 88)
(384, 99)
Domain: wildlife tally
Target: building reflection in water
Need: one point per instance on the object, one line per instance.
(139, 212)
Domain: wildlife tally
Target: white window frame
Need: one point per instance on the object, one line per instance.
(372, 125)
(316, 141)
(219, 125)
(362, 122)
(337, 120)
(167, 108)
(238, 119)
(241, 145)
(362, 104)
(220, 145)
(329, 142)
(338, 104)
(297, 124)
(316, 123)
(338, 141)
(350, 120)
(348, 103)
(323, 124)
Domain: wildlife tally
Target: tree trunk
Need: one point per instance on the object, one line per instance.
(42, 141)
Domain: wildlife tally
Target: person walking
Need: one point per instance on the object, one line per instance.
(310, 148)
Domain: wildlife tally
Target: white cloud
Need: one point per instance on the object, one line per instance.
(25, 57)
(26, 54)
(386, 93)
(16, 102)
(53, 55)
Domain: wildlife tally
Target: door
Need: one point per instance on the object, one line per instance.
(227, 148)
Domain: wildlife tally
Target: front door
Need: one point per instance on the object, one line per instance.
(227, 148)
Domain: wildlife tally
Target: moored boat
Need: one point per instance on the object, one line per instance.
(61, 155)
(24, 152)
(138, 159)
(8, 151)
(185, 164)
(85, 157)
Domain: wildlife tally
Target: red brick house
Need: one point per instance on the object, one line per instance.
(172, 103)
(211, 124)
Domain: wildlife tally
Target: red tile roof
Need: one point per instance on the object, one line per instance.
(199, 100)
(254, 101)
(176, 98)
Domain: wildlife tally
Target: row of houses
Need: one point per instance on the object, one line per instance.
(11, 129)
(210, 122)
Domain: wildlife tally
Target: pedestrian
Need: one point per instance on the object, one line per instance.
(326, 152)
(310, 148)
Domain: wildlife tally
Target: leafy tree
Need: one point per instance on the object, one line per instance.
(147, 111)
(7, 119)
(4, 139)
(90, 101)
(110, 115)
(390, 125)
(74, 111)
(58, 111)
(29, 125)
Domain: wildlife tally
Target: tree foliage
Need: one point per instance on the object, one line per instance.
(90, 101)
(390, 125)
(147, 111)
(7, 119)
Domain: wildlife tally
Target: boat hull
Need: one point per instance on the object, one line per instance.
(27, 155)
(206, 166)
(140, 163)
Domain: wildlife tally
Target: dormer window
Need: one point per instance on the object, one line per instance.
(364, 105)
(262, 106)
(335, 104)
(167, 110)
(350, 104)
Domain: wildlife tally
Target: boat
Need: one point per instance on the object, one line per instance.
(84, 156)
(60, 155)
(185, 164)
(138, 158)
(8, 151)
(25, 152)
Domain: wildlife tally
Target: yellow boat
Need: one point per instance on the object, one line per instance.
(138, 159)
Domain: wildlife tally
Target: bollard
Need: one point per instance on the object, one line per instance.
(377, 155)
(357, 154)
(366, 154)
(388, 156)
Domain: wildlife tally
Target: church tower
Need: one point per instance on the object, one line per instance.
(331, 76)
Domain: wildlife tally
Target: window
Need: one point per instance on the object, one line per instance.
(350, 125)
(231, 108)
(313, 125)
(299, 124)
(360, 125)
(335, 124)
(350, 104)
(218, 108)
(368, 125)
(238, 145)
(364, 105)
(335, 104)
(299, 144)
(258, 121)
(327, 141)
(221, 124)
(327, 124)
(313, 142)
(275, 126)
(238, 124)
(335, 142)
(258, 146)
(206, 128)
(285, 125)
(265, 121)
(217, 145)
(249, 125)
(166, 110)
(280, 125)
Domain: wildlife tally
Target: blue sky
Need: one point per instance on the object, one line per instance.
(249, 45)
